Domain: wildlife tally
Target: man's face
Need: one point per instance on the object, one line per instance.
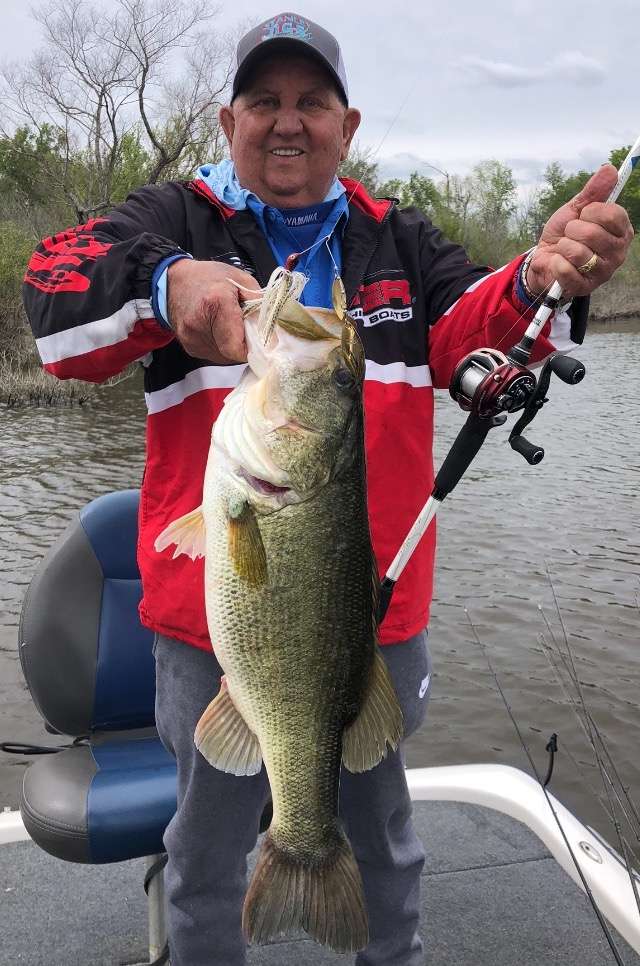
(288, 131)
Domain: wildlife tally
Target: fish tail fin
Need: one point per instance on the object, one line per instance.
(325, 898)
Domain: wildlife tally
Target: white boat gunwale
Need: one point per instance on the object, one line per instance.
(512, 792)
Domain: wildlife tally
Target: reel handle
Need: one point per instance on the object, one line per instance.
(567, 369)
(532, 453)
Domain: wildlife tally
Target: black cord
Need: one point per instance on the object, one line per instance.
(153, 870)
(21, 748)
(552, 748)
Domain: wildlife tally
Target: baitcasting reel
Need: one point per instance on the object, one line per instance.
(489, 384)
(486, 384)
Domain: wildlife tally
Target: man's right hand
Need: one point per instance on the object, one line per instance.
(205, 309)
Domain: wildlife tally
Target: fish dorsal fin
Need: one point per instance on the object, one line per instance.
(224, 738)
(246, 548)
(187, 533)
(379, 723)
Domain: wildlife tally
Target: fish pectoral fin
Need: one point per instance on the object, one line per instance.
(188, 534)
(246, 548)
(379, 722)
(224, 738)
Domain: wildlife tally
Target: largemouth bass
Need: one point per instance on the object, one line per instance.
(291, 589)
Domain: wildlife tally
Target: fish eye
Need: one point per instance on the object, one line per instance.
(343, 379)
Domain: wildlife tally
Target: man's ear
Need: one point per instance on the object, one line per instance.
(350, 124)
(227, 122)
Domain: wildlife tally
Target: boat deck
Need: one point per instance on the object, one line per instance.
(492, 896)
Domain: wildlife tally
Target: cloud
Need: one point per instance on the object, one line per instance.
(571, 66)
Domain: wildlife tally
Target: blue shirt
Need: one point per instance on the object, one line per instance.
(316, 231)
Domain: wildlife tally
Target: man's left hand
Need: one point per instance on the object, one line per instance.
(584, 227)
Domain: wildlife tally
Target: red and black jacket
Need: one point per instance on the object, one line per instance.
(420, 304)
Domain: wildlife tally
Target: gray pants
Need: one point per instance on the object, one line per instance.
(216, 823)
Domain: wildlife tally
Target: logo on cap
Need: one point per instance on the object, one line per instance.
(287, 25)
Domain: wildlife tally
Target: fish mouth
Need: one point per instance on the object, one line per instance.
(264, 486)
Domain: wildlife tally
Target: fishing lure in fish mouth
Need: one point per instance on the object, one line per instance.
(279, 304)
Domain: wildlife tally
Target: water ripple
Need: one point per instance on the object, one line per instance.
(506, 535)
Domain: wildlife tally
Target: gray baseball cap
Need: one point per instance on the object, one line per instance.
(288, 31)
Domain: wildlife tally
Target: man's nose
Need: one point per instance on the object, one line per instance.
(288, 122)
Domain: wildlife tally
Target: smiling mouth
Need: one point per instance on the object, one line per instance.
(287, 152)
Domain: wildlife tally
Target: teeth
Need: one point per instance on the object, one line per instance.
(287, 152)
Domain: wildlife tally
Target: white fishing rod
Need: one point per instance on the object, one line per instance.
(489, 384)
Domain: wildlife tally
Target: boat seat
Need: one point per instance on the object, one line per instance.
(89, 666)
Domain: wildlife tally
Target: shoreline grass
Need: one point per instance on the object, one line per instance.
(23, 381)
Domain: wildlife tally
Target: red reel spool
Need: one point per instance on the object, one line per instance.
(486, 384)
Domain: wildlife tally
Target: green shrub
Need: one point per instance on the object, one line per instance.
(16, 246)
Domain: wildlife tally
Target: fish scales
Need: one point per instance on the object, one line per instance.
(301, 646)
(290, 590)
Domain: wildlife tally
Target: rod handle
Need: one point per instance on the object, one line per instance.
(384, 597)
(465, 447)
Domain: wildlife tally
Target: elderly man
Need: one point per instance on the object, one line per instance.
(153, 281)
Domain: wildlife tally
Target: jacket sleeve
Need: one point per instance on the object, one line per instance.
(470, 307)
(87, 290)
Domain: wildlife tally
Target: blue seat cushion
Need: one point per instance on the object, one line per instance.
(104, 802)
(125, 675)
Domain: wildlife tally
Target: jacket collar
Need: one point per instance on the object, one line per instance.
(367, 217)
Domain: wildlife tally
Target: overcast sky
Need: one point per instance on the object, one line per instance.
(524, 81)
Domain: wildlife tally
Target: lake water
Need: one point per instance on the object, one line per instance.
(512, 539)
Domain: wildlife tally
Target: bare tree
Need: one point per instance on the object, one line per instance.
(136, 84)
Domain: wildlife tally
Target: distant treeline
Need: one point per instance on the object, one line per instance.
(481, 211)
(40, 182)
(99, 110)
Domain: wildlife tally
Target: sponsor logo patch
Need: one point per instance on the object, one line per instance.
(424, 684)
(295, 221)
(287, 25)
(384, 301)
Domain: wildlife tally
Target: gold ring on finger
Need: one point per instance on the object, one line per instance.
(588, 266)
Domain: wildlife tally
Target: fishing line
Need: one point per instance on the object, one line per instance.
(592, 732)
(525, 748)
(593, 729)
(547, 651)
(386, 133)
(293, 258)
(610, 811)
(590, 728)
